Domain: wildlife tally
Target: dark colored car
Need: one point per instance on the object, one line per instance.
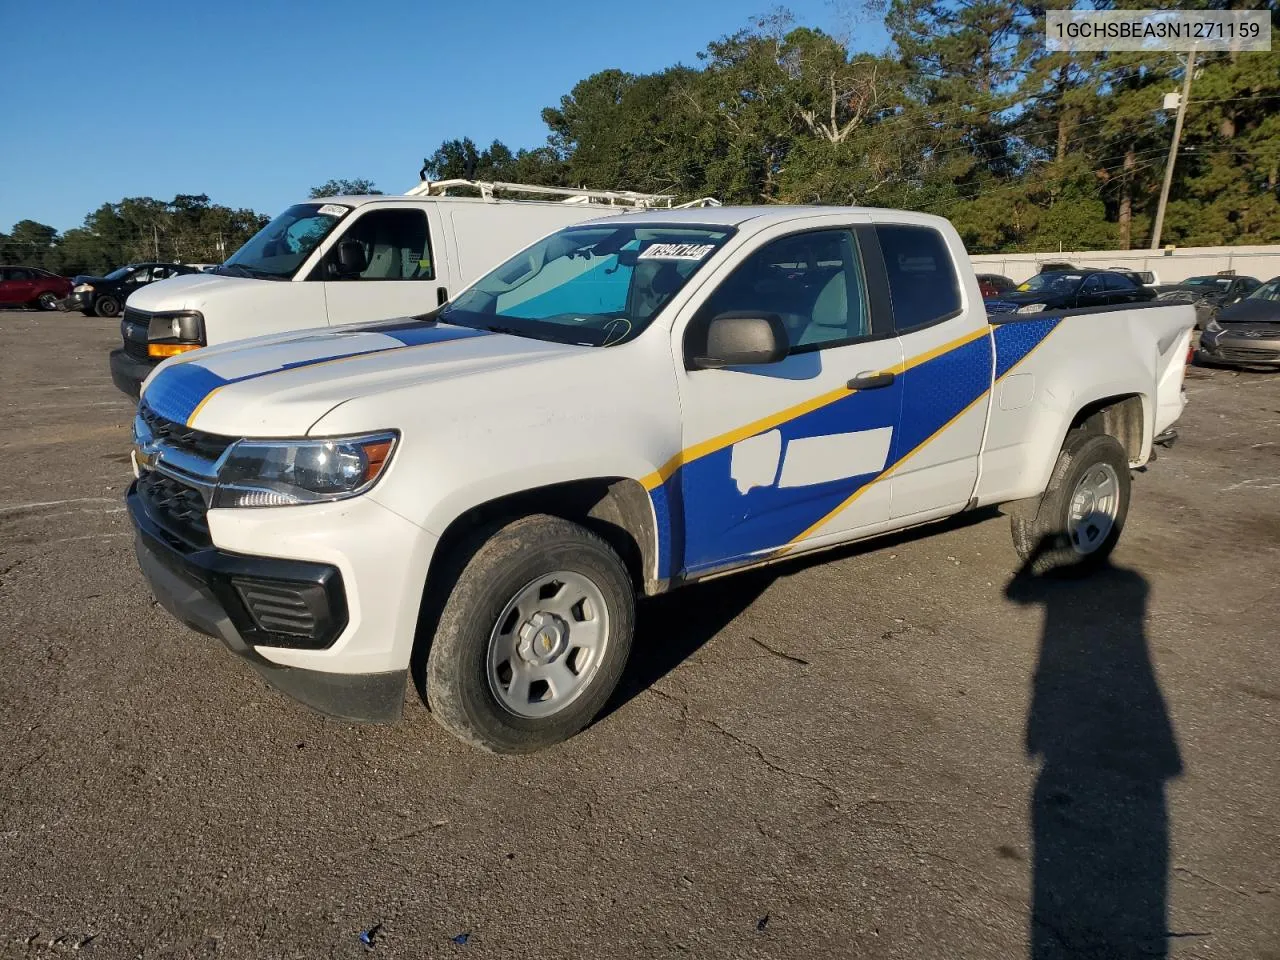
(105, 296)
(1070, 289)
(1208, 294)
(993, 284)
(1246, 333)
(31, 286)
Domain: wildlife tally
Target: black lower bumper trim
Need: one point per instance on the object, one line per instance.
(179, 587)
(128, 372)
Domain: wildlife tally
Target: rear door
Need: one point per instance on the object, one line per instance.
(19, 286)
(947, 370)
(400, 276)
(786, 455)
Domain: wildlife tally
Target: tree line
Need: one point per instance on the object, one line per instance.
(187, 229)
(968, 116)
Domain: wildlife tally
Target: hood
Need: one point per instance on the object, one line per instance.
(1250, 311)
(189, 291)
(280, 387)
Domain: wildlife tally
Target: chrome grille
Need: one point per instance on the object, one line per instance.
(134, 327)
(208, 446)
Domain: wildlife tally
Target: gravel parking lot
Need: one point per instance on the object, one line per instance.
(893, 751)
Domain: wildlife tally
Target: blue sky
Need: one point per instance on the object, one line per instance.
(255, 102)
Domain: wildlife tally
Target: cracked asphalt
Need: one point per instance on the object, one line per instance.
(901, 750)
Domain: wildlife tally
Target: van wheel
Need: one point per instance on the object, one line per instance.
(1082, 511)
(533, 637)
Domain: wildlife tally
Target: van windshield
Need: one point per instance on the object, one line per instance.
(593, 285)
(277, 250)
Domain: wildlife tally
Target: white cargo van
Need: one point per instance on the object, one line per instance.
(347, 260)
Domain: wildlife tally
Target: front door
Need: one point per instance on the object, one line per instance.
(399, 276)
(781, 455)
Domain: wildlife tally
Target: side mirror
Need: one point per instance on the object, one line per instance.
(740, 339)
(351, 258)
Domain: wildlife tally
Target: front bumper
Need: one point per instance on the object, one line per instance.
(128, 372)
(1234, 351)
(204, 589)
(79, 301)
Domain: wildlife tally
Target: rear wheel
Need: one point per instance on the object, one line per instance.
(1083, 509)
(533, 637)
(47, 301)
(107, 307)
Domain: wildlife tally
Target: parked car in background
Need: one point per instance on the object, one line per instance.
(336, 260)
(1208, 294)
(32, 287)
(105, 296)
(1146, 278)
(1056, 266)
(1245, 333)
(993, 284)
(1071, 290)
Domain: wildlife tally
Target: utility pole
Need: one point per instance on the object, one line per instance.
(155, 230)
(1173, 149)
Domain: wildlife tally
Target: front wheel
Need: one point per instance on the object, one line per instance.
(1083, 509)
(533, 637)
(107, 307)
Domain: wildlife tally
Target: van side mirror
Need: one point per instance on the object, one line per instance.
(351, 258)
(741, 338)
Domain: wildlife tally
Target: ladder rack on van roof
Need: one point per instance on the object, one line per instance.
(627, 198)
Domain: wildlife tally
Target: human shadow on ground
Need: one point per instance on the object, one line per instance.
(1100, 728)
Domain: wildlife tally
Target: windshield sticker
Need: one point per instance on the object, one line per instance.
(676, 251)
(334, 210)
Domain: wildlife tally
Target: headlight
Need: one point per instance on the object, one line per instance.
(169, 334)
(1031, 308)
(277, 473)
(82, 288)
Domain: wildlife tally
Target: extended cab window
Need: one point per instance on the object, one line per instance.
(395, 245)
(922, 279)
(813, 281)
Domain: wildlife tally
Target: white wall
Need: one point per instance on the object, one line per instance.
(1169, 267)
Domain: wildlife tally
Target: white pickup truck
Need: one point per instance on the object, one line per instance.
(629, 405)
(339, 260)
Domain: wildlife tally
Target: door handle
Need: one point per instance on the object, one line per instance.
(442, 296)
(870, 381)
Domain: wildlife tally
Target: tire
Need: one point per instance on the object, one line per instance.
(1051, 542)
(47, 301)
(107, 307)
(493, 673)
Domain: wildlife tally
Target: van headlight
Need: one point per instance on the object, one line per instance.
(1031, 308)
(278, 473)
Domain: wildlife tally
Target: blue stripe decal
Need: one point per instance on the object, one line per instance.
(178, 391)
(1015, 340)
(720, 526)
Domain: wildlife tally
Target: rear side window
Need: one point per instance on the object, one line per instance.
(922, 279)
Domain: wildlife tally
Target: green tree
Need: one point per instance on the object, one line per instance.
(344, 188)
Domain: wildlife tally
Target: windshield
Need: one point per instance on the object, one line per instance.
(1052, 283)
(278, 249)
(592, 285)
(119, 273)
(1268, 291)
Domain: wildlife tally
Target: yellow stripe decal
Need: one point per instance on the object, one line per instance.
(320, 363)
(698, 450)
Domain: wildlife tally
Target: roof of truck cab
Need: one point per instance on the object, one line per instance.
(762, 215)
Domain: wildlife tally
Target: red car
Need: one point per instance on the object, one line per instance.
(31, 286)
(993, 284)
